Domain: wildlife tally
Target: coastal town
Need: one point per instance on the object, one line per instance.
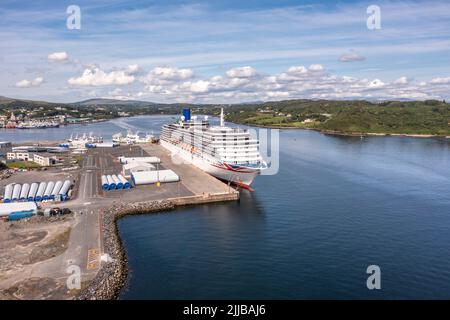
(26, 121)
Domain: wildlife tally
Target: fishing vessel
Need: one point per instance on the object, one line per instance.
(132, 138)
(37, 125)
(229, 154)
(85, 139)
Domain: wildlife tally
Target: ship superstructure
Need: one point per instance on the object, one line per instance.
(230, 154)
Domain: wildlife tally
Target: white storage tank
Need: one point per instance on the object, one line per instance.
(16, 192)
(33, 189)
(40, 191)
(48, 190)
(111, 182)
(126, 184)
(105, 184)
(8, 193)
(119, 184)
(149, 177)
(24, 192)
(65, 189)
(55, 191)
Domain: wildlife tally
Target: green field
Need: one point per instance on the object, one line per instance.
(23, 165)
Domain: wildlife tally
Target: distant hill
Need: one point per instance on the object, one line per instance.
(5, 99)
(351, 116)
(12, 102)
(97, 102)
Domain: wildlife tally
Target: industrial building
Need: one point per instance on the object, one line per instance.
(34, 149)
(81, 150)
(129, 168)
(149, 177)
(42, 159)
(5, 144)
(19, 155)
(125, 160)
(45, 159)
(7, 209)
(106, 145)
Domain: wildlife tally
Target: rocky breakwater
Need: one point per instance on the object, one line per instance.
(113, 273)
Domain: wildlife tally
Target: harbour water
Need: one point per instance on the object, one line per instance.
(337, 205)
(144, 124)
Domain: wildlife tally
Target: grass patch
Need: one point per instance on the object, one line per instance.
(23, 165)
(78, 159)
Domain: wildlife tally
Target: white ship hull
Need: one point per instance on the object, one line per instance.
(242, 176)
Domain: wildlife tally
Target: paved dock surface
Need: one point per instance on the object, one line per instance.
(195, 180)
(90, 201)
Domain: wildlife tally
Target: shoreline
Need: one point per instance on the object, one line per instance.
(323, 131)
(350, 134)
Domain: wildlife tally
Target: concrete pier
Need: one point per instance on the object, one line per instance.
(202, 185)
(91, 231)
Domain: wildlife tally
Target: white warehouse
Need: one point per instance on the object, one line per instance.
(125, 160)
(150, 177)
(132, 167)
(7, 208)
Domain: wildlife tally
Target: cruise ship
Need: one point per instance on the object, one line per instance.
(226, 153)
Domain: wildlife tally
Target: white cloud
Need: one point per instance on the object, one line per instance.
(133, 69)
(297, 70)
(167, 74)
(58, 57)
(440, 80)
(402, 80)
(94, 76)
(351, 57)
(316, 67)
(241, 72)
(200, 86)
(376, 83)
(30, 83)
(170, 84)
(116, 92)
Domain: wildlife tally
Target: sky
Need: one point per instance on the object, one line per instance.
(221, 51)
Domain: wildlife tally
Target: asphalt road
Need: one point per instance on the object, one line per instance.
(85, 242)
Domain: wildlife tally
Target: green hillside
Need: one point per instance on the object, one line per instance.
(392, 117)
